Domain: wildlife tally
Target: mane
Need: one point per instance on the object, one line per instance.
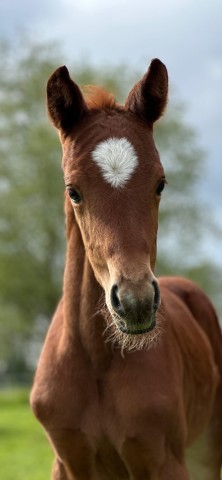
(98, 98)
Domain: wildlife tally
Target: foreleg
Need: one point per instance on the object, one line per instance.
(58, 471)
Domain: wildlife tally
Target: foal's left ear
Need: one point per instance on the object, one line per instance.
(66, 105)
(148, 98)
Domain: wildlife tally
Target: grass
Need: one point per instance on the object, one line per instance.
(24, 450)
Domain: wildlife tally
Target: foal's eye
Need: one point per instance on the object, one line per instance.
(74, 195)
(160, 188)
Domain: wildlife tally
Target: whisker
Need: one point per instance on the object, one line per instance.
(128, 343)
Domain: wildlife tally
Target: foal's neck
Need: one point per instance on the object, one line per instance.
(83, 298)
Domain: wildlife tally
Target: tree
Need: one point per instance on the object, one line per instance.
(31, 195)
(31, 192)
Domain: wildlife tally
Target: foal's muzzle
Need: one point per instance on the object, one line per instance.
(135, 313)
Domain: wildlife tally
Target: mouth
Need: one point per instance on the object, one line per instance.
(132, 333)
(136, 328)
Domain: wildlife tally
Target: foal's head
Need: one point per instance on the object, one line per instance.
(114, 179)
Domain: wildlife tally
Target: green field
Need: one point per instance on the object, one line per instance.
(24, 450)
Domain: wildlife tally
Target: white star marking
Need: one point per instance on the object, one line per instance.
(117, 160)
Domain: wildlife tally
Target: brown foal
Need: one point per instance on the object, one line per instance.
(128, 383)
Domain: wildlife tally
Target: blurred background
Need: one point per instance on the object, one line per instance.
(108, 43)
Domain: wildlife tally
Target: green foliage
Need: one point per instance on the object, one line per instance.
(31, 195)
(180, 212)
(32, 247)
(24, 451)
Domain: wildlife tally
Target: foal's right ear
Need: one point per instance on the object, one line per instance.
(66, 105)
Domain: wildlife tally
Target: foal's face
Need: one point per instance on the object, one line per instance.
(114, 179)
(114, 183)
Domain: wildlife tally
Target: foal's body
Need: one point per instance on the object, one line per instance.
(132, 417)
(112, 414)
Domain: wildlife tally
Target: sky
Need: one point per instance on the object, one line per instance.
(185, 34)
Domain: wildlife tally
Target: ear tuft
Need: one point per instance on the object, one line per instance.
(148, 98)
(65, 102)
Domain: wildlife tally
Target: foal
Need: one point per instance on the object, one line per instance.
(128, 382)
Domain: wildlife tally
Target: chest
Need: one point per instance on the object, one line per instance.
(112, 426)
(124, 423)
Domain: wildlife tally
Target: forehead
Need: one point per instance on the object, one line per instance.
(115, 144)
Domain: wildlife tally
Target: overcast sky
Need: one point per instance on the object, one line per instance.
(185, 34)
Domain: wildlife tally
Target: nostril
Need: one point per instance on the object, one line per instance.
(156, 299)
(115, 302)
